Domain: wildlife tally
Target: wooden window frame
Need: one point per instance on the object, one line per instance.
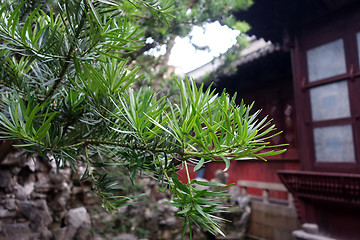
(326, 30)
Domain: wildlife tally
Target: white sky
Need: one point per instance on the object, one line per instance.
(219, 38)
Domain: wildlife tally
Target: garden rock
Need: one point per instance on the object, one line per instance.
(77, 217)
(15, 158)
(234, 192)
(10, 204)
(4, 213)
(23, 192)
(16, 230)
(126, 236)
(5, 178)
(34, 198)
(36, 212)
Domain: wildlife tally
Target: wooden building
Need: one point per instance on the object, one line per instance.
(264, 76)
(323, 37)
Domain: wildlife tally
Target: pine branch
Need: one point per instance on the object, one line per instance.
(68, 56)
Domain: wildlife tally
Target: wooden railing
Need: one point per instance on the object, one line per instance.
(266, 188)
(335, 187)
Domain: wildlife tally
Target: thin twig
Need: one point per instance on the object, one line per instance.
(67, 59)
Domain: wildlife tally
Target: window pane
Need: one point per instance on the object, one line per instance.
(358, 45)
(334, 144)
(330, 101)
(326, 61)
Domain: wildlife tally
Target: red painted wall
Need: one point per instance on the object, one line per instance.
(277, 102)
(255, 170)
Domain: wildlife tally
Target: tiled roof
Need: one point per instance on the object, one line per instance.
(258, 48)
(258, 53)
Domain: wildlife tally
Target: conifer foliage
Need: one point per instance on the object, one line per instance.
(66, 94)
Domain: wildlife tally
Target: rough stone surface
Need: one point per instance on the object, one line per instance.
(83, 233)
(10, 204)
(126, 236)
(38, 201)
(4, 213)
(60, 233)
(243, 201)
(43, 185)
(36, 212)
(77, 217)
(34, 200)
(15, 230)
(5, 178)
(61, 197)
(221, 176)
(14, 159)
(234, 192)
(20, 191)
(46, 234)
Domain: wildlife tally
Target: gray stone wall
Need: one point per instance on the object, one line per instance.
(36, 201)
(39, 201)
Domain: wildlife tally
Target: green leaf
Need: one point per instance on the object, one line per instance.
(68, 90)
(6, 123)
(110, 2)
(179, 185)
(175, 204)
(227, 162)
(24, 145)
(162, 189)
(31, 117)
(44, 129)
(208, 184)
(186, 210)
(199, 164)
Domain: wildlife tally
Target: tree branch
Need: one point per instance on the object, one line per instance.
(141, 51)
(68, 58)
